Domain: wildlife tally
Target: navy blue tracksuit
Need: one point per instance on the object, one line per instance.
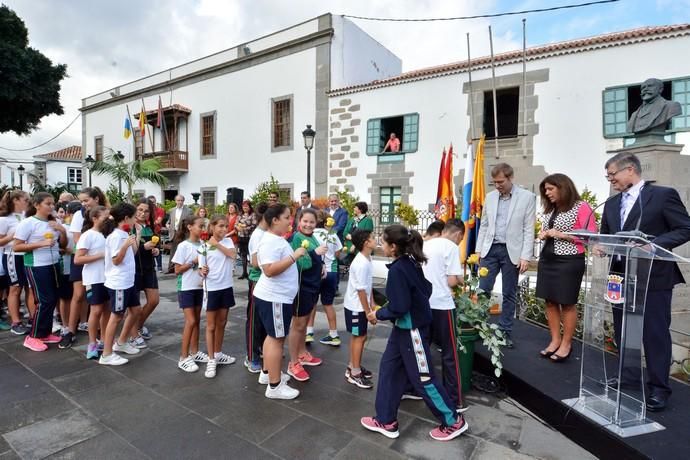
(406, 360)
(45, 284)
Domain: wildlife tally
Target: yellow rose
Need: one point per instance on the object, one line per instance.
(155, 239)
(48, 235)
(330, 222)
(305, 244)
(483, 272)
(473, 259)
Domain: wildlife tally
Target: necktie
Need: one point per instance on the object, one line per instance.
(624, 206)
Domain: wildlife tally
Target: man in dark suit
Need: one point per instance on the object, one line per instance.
(338, 214)
(304, 203)
(176, 216)
(663, 215)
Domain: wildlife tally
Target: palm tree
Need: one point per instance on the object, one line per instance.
(130, 173)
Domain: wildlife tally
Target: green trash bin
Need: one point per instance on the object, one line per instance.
(467, 337)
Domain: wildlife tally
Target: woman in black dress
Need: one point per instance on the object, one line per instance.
(562, 260)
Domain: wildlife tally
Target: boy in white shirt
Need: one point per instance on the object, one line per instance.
(444, 271)
(358, 302)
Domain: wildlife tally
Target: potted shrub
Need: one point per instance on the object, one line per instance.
(472, 307)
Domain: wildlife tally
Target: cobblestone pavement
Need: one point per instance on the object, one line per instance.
(57, 404)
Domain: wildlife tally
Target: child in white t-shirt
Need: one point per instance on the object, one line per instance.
(190, 293)
(220, 259)
(120, 247)
(358, 302)
(91, 255)
(67, 253)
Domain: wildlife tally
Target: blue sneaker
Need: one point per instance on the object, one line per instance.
(5, 326)
(92, 351)
(100, 345)
(252, 366)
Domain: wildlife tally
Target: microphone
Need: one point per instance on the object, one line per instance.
(591, 213)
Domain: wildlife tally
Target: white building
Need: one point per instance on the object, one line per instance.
(577, 98)
(236, 117)
(60, 167)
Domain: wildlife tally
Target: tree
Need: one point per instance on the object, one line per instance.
(265, 188)
(30, 86)
(131, 172)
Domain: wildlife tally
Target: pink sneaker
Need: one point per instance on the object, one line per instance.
(446, 433)
(389, 430)
(298, 372)
(52, 338)
(308, 360)
(34, 344)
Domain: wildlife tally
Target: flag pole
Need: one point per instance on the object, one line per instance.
(524, 87)
(147, 122)
(471, 95)
(493, 90)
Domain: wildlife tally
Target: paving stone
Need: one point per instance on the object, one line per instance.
(558, 447)
(191, 436)
(4, 447)
(86, 379)
(359, 449)
(306, 438)
(5, 358)
(9, 455)
(415, 442)
(106, 445)
(491, 451)
(66, 363)
(493, 425)
(46, 437)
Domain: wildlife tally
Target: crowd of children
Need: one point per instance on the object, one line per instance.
(83, 265)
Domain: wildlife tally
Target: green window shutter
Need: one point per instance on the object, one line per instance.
(374, 145)
(615, 103)
(410, 133)
(389, 196)
(681, 94)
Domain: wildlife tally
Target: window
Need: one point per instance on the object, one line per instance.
(138, 143)
(208, 135)
(74, 175)
(507, 106)
(389, 196)
(98, 148)
(281, 119)
(620, 102)
(208, 199)
(405, 127)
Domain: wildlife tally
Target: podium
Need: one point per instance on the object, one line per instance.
(612, 384)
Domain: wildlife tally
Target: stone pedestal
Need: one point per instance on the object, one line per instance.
(663, 163)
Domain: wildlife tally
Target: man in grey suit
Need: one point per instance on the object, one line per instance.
(176, 216)
(506, 239)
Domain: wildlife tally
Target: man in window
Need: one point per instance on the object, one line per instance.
(393, 144)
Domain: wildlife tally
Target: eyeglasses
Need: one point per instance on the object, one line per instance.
(610, 176)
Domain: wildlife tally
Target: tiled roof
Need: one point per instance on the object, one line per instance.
(72, 153)
(538, 52)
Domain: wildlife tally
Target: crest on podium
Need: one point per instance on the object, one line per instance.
(614, 289)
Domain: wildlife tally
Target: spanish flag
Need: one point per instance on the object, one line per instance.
(128, 128)
(445, 200)
(142, 123)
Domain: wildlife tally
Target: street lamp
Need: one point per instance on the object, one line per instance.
(21, 170)
(308, 135)
(89, 165)
(195, 197)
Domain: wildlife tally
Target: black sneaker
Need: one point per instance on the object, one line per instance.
(360, 381)
(19, 329)
(365, 372)
(67, 340)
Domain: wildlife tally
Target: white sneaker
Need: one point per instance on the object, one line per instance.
(57, 327)
(210, 369)
(282, 391)
(188, 364)
(222, 358)
(112, 359)
(138, 342)
(263, 378)
(199, 357)
(83, 327)
(126, 348)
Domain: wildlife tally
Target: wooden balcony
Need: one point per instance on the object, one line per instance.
(172, 161)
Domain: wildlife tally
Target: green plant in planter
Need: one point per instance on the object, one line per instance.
(406, 214)
(472, 306)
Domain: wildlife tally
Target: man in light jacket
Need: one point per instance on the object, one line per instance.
(506, 239)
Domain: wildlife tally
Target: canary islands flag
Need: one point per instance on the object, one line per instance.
(128, 128)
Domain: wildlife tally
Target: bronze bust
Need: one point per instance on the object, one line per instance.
(655, 112)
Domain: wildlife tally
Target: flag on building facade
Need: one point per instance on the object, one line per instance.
(142, 122)
(445, 199)
(128, 128)
(467, 199)
(159, 119)
(477, 197)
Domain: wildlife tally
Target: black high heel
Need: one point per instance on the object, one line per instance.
(559, 359)
(546, 354)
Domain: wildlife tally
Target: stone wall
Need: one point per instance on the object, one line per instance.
(344, 136)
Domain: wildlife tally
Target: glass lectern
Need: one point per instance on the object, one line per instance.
(612, 384)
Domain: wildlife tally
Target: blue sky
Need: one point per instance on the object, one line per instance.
(100, 40)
